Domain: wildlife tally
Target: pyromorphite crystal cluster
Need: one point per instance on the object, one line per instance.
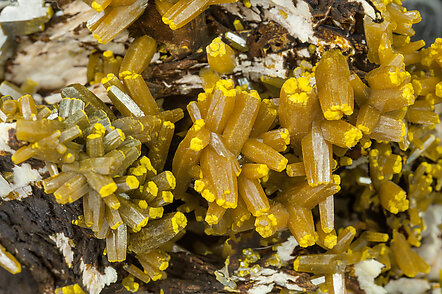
(123, 193)
(252, 160)
(227, 123)
(237, 151)
(113, 16)
(93, 155)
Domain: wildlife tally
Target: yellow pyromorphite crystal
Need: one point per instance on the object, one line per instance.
(167, 196)
(351, 137)
(108, 189)
(238, 25)
(301, 225)
(179, 221)
(263, 170)
(112, 21)
(264, 225)
(334, 88)
(129, 283)
(170, 178)
(184, 11)
(253, 195)
(156, 212)
(132, 182)
(236, 151)
(196, 144)
(142, 204)
(211, 219)
(330, 241)
(408, 261)
(307, 240)
(208, 195)
(71, 289)
(164, 266)
(261, 153)
(297, 90)
(393, 198)
(254, 170)
(199, 185)
(341, 133)
(152, 188)
(436, 51)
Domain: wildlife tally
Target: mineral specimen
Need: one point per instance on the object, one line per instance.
(324, 165)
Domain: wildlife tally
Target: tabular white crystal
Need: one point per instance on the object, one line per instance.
(95, 281)
(407, 286)
(366, 271)
(64, 244)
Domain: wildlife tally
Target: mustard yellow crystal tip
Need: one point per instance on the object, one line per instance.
(146, 163)
(263, 170)
(108, 189)
(164, 266)
(108, 54)
(199, 186)
(96, 6)
(130, 285)
(299, 98)
(408, 93)
(196, 144)
(98, 38)
(132, 182)
(352, 137)
(307, 240)
(198, 124)
(330, 241)
(282, 164)
(211, 219)
(352, 230)
(255, 94)
(167, 196)
(332, 114)
(296, 263)
(142, 224)
(114, 227)
(364, 129)
(156, 212)
(152, 188)
(169, 124)
(209, 196)
(171, 179)
(216, 48)
(142, 204)
(264, 231)
(179, 221)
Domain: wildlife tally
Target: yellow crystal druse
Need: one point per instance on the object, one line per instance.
(224, 119)
(89, 158)
(241, 149)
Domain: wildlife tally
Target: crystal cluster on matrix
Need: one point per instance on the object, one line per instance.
(252, 160)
